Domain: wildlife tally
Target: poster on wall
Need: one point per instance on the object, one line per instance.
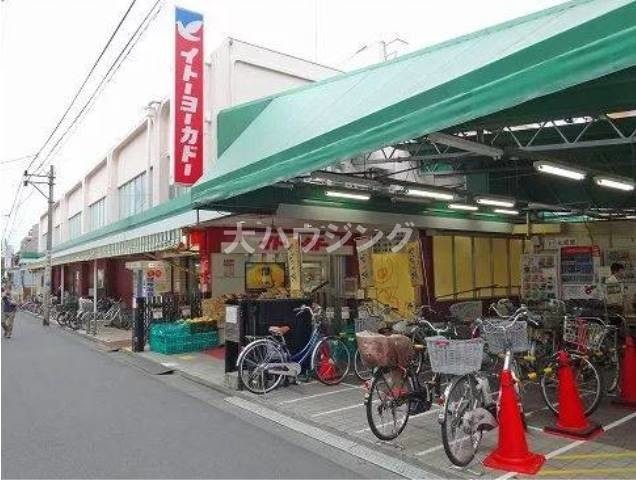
(264, 275)
(580, 266)
(188, 97)
(229, 267)
(539, 276)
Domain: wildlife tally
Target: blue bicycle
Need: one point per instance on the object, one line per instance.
(264, 363)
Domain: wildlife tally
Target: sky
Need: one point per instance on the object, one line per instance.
(47, 48)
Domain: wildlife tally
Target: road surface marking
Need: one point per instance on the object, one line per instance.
(570, 446)
(368, 429)
(587, 471)
(370, 455)
(583, 456)
(336, 410)
(323, 394)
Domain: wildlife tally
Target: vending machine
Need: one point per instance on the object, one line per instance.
(580, 273)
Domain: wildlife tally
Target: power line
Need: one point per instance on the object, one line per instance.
(108, 75)
(12, 160)
(101, 54)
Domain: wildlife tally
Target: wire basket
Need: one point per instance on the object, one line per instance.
(495, 332)
(585, 333)
(466, 311)
(454, 357)
(371, 323)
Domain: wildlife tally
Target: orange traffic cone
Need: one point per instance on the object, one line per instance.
(627, 384)
(571, 421)
(512, 453)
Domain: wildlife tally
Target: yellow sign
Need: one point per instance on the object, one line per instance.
(264, 275)
(392, 283)
(414, 254)
(294, 262)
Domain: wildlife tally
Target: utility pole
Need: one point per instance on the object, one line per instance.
(49, 180)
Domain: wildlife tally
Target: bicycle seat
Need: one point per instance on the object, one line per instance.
(279, 331)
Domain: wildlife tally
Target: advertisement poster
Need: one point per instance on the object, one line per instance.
(229, 267)
(365, 264)
(264, 275)
(414, 255)
(294, 264)
(539, 276)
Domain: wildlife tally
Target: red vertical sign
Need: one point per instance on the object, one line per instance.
(188, 97)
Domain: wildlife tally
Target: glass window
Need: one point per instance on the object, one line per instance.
(132, 196)
(75, 226)
(57, 234)
(97, 214)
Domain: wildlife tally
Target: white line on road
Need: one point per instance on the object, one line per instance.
(411, 417)
(570, 446)
(370, 455)
(323, 394)
(336, 410)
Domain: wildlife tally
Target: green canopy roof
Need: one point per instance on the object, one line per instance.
(453, 83)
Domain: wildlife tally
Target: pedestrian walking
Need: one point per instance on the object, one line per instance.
(8, 313)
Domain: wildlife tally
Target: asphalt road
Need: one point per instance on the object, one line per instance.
(71, 411)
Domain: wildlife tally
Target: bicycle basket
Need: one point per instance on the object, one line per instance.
(379, 350)
(492, 331)
(585, 333)
(454, 357)
(371, 323)
(466, 312)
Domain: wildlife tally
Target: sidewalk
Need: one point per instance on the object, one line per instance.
(109, 337)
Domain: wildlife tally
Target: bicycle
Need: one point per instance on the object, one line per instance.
(264, 362)
(535, 362)
(396, 390)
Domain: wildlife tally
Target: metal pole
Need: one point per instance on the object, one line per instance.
(49, 246)
(95, 297)
(61, 284)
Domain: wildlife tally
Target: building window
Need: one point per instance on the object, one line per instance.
(97, 214)
(75, 226)
(132, 196)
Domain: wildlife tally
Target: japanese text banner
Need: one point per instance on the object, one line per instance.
(188, 97)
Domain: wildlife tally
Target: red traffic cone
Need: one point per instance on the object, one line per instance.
(571, 421)
(326, 369)
(627, 384)
(512, 453)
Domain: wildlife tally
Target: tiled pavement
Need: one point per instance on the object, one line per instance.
(340, 409)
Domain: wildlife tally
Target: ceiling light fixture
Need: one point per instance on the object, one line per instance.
(496, 201)
(559, 170)
(618, 183)
(505, 211)
(348, 195)
(463, 206)
(437, 195)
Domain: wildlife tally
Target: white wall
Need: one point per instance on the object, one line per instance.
(97, 184)
(75, 202)
(131, 159)
(236, 72)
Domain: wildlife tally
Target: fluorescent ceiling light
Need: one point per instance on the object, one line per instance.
(624, 184)
(341, 178)
(559, 170)
(545, 206)
(349, 195)
(505, 211)
(496, 201)
(462, 206)
(466, 145)
(437, 195)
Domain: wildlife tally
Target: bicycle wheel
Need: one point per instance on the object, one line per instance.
(361, 369)
(387, 403)
(73, 321)
(609, 364)
(588, 378)
(330, 360)
(60, 318)
(252, 366)
(460, 438)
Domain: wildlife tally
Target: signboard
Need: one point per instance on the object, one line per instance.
(188, 97)
(365, 264)
(294, 264)
(415, 263)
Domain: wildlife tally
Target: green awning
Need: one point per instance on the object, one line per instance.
(471, 77)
